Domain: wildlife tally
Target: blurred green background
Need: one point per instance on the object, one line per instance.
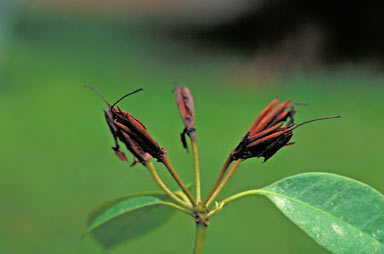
(56, 157)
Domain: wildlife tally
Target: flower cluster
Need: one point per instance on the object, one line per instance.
(271, 131)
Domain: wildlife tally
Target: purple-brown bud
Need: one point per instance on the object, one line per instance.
(267, 134)
(134, 135)
(185, 105)
(127, 129)
(119, 133)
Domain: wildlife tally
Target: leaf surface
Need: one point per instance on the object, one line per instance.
(341, 214)
(122, 219)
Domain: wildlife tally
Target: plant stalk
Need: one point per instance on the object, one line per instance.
(201, 233)
(219, 178)
(224, 182)
(157, 179)
(241, 195)
(197, 169)
(232, 198)
(180, 208)
(178, 180)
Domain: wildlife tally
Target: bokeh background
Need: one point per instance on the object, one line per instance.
(56, 157)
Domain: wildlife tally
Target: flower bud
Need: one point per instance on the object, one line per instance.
(267, 134)
(271, 131)
(185, 105)
(120, 134)
(130, 131)
(137, 132)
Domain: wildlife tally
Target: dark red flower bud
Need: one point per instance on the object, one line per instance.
(119, 134)
(272, 130)
(185, 105)
(267, 134)
(130, 131)
(137, 132)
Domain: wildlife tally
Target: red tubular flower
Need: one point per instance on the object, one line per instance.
(185, 105)
(120, 134)
(130, 131)
(136, 134)
(271, 131)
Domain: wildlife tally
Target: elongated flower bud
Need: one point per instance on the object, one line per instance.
(119, 134)
(130, 131)
(271, 131)
(185, 105)
(137, 132)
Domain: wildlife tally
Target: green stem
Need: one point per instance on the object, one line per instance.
(219, 178)
(201, 233)
(232, 198)
(240, 195)
(197, 170)
(182, 209)
(182, 195)
(223, 183)
(161, 184)
(168, 165)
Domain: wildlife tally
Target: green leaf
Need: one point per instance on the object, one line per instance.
(341, 214)
(119, 220)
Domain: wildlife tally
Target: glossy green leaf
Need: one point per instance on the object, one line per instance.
(341, 214)
(122, 219)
